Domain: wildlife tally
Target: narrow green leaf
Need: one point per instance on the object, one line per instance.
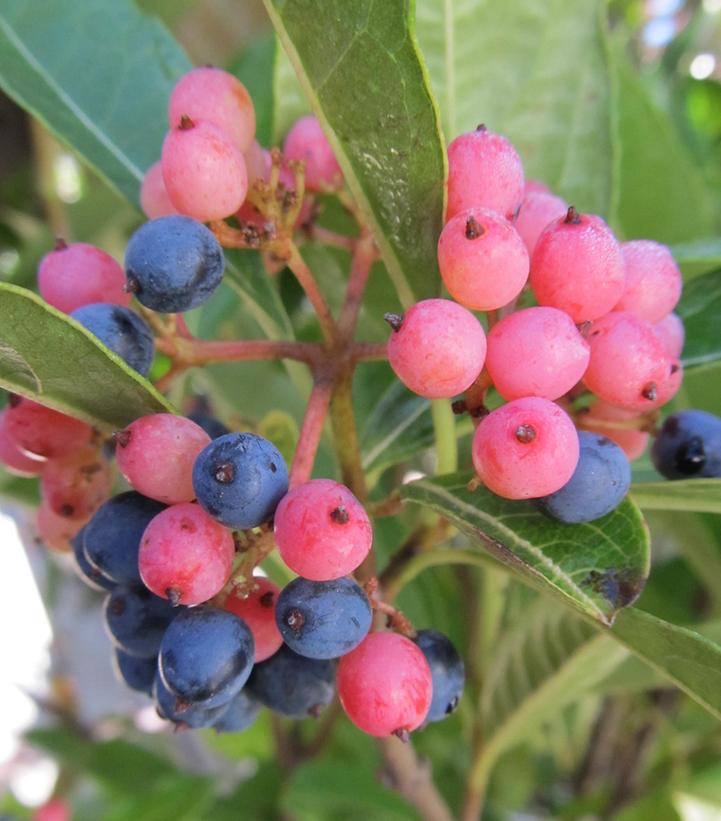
(699, 495)
(49, 357)
(536, 72)
(384, 130)
(700, 309)
(98, 74)
(596, 568)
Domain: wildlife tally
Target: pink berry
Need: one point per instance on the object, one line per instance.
(672, 334)
(653, 280)
(12, 459)
(525, 449)
(322, 530)
(204, 172)
(629, 366)
(437, 349)
(75, 485)
(632, 440)
(258, 611)
(257, 162)
(78, 274)
(154, 199)
(535, 187)
(484, 170)
(577, 266)
(306, 141)
(55, 531)
(156, 454)
(185, 555)
(43, 432)
(385, 685)
(217, 97)
(538, 209)
(536, 352)
(54, 810)
(482, 259)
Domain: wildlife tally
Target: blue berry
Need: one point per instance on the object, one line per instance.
(173, 264)
(689, 446)
(121, 330)
(183, 713)
(136, 620)
(209, 424)
(239, 479)
(447, 672)
(598, 484)
(239, 714)
(323, 620)
(137, 673)
(85, 571)
(206, 655)
(112, 536)
(293, 685)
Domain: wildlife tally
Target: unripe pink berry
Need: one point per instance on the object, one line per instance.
(257, 162)
(306, 141)
(653, 280)
(55, 531)
(633, 441)
(13, 459)
(154, 199)
(672, 334)
(258, 611)
(43, 432)
(74, 486)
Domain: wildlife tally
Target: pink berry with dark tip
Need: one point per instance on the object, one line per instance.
(75, 485)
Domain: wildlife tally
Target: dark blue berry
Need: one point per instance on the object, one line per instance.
(689, 446)
(209, 424)
(112, 536)
(293, 685)
(136, 620)
(173, 264)
(323, 620)
(598, 485)
(206, 655)
(239, 479)
(89, 574)
(183, 713)
(121, 330)
(447, 672)
(239, 714)
(137, 673)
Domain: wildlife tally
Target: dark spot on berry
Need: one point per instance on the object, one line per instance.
(273, 467)
(294, 619)
(394, 320)
(122, 438)
(67, 510)
(474, 229)
(675, 368)
(451, 706)
(525, 434)
(180, 705)
(339, 515)
(174, 596)
(650, 391)
(402, 734)
(266, 600)
(187, 526)
(690, 457)
(224, 473)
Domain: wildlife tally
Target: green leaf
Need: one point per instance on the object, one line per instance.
(698, 257)
(700, 309)
(596, 568)
(699, 495)
(288, 101)
(98, 75)
(536, 72)
(360, 68)
(49, 357)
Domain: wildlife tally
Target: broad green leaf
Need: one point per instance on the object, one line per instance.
(698, 257)
(98, 74)
(536, 72)
(359, 66)
(700, 309)
(596, 568)
(49, 357)
(19, 489)
(699, 495)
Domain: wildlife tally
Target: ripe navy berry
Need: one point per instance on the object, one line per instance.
(136, 620)
(87, 573)
(137, 673)
(688, 446)
(121, 330)
(181, 712)
(240, 713)
(447, 671)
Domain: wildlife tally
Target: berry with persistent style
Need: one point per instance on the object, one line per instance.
(76, 485)
(136, 620)
(121, 330)
(688, 446)
(306, 141)
(181, 712)
(257, 610)
(447, 671)
(653, 280)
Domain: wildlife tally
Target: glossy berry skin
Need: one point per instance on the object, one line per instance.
(598, 485)
(206, 655)
(482, 259)
(42, 432)
(121, 330)
(447, 671)
(112, 536)
(239, 479)
(240, 714)
(212, 426)
(438, 350)
(323, 620)
(204, 172)
(185, 555)
(12, 458)
(653, 280)
(257, 610)
(54, 531)
(80, 274)
(538, 210)
(292, 685)
(629, 366)
(154, 199)
(672, 334)
(484, 170)
(76, 485)
(173, 264)
(156, 454)
(85, 571)
(136, 620)
(631, 440)
(577, 267)
(525, 449)
(385, 685)
(183, 713)
(536, 352)
(211, 94)
(688, 446)
(322, 530)
(138, 673)
(306, 141)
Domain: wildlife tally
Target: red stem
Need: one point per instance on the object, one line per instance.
(303, 274)
(363, 258)
(310, 433)
(190, 352)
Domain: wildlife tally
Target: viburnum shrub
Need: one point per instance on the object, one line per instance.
(502, 425)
